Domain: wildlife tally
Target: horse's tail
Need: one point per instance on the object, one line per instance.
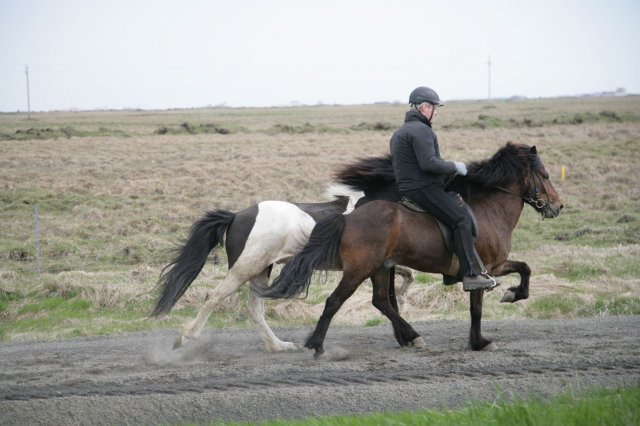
(322, 250)
(205, 234)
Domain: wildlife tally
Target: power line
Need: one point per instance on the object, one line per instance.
(489, 77)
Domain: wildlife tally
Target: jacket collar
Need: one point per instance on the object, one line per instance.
(413, 115)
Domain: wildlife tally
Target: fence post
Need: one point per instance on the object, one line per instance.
(37, 237)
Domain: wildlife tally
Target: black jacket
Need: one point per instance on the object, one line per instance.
(416, 156)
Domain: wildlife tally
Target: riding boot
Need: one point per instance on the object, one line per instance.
(454, 279)
(474, 276)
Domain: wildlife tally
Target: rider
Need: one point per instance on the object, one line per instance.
(420, 173)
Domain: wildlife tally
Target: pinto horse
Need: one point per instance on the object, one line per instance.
(373, 239)
(257, 237)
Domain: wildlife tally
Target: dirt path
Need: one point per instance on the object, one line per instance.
(228, 375)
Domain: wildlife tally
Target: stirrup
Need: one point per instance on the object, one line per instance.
(482, 281)
(495, 285)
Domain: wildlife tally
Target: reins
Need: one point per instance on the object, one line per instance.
(534, 200)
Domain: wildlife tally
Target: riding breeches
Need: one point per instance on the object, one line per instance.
(449, 208)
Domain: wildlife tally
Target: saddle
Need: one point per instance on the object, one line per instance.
(447, 233)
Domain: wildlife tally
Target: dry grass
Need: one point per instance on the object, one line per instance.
(114, 201)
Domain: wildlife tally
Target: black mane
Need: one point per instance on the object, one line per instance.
(509, 164)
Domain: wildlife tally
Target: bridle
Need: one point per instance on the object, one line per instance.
(533, 199)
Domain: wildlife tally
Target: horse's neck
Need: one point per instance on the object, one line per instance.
(498, 207)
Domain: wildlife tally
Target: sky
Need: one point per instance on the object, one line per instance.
(161, 54)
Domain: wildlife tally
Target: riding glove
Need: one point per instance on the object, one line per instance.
(461, 168)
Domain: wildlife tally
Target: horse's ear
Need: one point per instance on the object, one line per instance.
(534, 150)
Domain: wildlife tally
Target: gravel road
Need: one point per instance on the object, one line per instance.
(228, 375)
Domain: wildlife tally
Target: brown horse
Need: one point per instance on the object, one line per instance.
(369, 242)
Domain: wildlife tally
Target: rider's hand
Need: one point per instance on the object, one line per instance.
(461, 168)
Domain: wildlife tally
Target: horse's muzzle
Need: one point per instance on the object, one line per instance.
(551, 211)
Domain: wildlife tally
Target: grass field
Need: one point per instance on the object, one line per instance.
(619, 407)
(117, 190)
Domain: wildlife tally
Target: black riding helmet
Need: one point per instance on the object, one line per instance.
(424, 94)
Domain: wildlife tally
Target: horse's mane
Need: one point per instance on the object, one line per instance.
(366, 173)
(507, 165)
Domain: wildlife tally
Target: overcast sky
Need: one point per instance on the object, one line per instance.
(94, 54)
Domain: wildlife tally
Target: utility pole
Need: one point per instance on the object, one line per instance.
(36, 218)
(489, 78)
(26, 71)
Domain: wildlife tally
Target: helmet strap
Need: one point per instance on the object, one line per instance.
(416, 107)
(433, 111)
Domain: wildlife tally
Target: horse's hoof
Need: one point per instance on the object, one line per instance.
(283, 347)
(333, 354)
(180, 342)
(490, 347)
(419, 343)
(289, 346)
(509, 297)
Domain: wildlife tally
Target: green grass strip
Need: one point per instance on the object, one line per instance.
(605, 408)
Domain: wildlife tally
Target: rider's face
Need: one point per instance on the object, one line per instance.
(429, 111)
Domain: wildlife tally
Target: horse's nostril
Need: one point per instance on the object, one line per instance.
(561, 206)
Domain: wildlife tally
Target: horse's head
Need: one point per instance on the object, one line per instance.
(539, 193)
(517, 170)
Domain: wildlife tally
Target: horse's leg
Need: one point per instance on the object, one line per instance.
(192, 329)
(391, 285)
(404, 333)
(515, 293)
(476, 340)
(348, 285)
(407, 279)
(256, 311)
